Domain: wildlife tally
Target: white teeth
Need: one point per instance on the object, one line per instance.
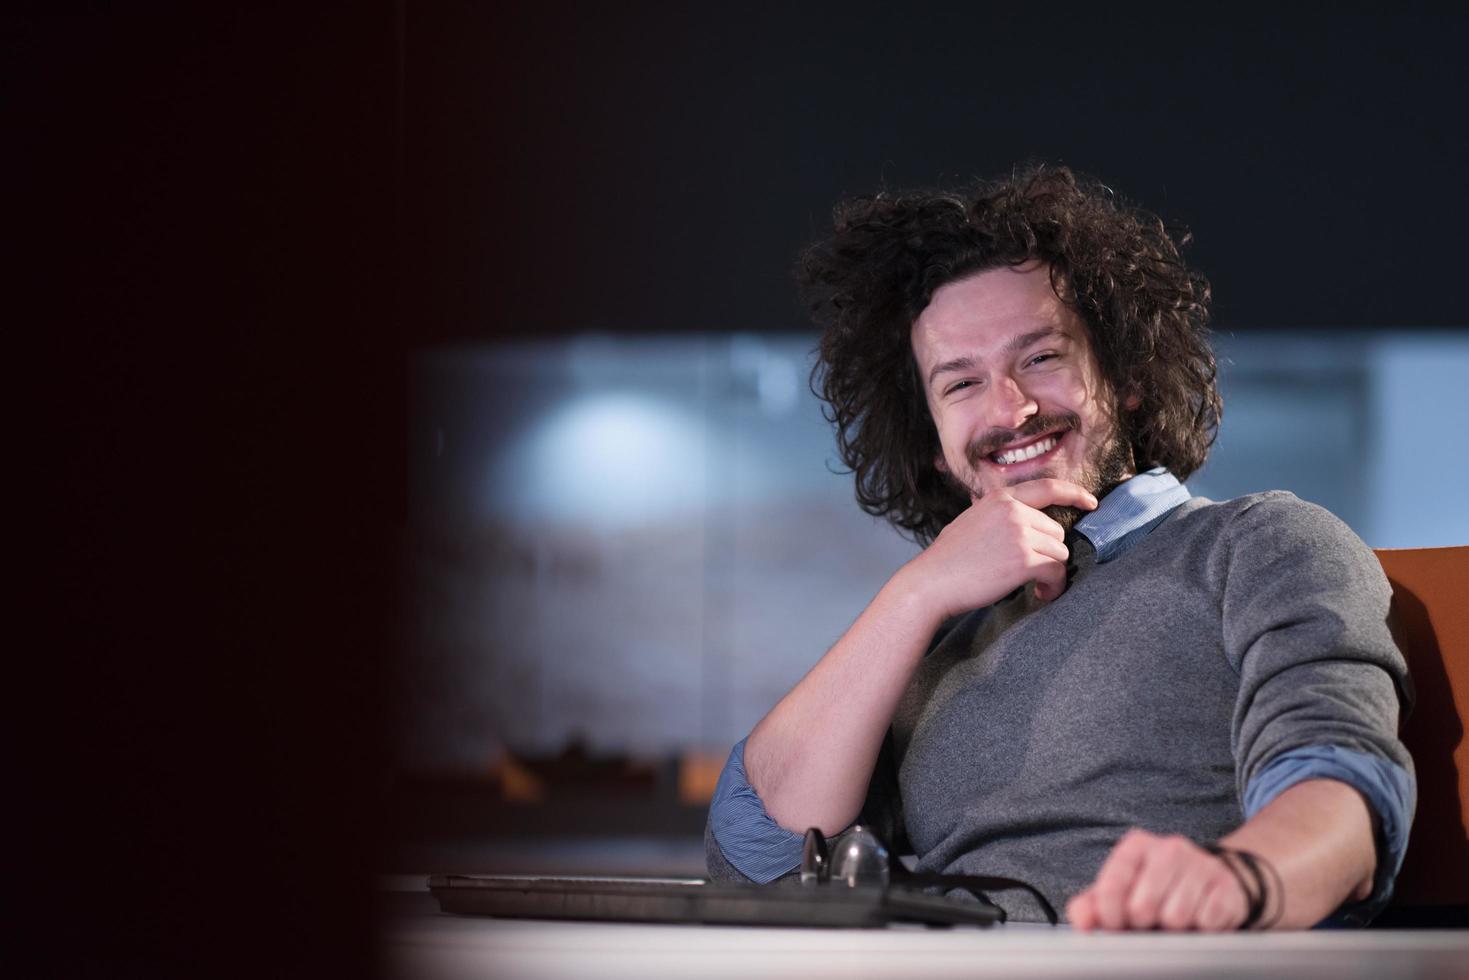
(1029, 452)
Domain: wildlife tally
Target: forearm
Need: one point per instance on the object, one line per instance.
(811, 757)
(1318, 836)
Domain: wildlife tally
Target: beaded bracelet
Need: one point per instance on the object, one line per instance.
(1258, 898)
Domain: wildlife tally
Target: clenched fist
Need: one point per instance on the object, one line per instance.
(1153, 882)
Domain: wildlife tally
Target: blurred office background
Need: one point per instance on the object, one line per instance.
(640, 544)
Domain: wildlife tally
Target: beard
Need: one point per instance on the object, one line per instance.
(1108, 466)
(1108, 463)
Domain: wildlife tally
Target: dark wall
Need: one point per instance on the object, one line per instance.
(200, 326)
(656, 166)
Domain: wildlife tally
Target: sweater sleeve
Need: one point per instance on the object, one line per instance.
(1305, 608)
(1387, 788)
(743, 843)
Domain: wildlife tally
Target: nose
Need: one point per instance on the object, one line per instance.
(1007, 404)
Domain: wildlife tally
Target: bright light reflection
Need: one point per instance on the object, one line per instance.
(608, 460)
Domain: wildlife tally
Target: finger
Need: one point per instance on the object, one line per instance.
(1163, 865)
(1114, 880)
(1081, 911)
(1050, 492)
(1047, 546)
(1050, 579)
(1181, 908)
(1222, 906)
(1044, 523)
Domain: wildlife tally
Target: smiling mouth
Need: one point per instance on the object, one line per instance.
(1020, 454)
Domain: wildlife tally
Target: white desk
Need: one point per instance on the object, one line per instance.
(420, 943)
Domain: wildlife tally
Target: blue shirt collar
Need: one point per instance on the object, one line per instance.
(1126, 515)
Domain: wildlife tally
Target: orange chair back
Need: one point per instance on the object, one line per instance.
(1431, 621)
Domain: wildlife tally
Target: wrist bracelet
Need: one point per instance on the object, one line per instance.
(1258, 898)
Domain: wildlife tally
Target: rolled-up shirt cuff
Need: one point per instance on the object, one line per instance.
(754, 844)
(1388, 788)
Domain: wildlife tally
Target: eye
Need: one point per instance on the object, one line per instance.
(1042, 358)
(959, 386)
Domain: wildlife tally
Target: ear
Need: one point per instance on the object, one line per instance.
(940, 465)
(1131, 402)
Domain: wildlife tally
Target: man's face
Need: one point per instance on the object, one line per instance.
(1014, 387)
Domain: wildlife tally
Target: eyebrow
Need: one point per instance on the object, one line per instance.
(1015, 344)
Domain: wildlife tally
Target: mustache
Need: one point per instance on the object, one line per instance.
(996, 439)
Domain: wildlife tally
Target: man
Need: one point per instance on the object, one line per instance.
(1162, 711)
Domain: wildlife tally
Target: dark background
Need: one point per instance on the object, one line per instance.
(231, 229)
(657, 166)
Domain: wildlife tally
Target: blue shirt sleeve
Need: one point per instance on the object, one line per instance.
(1388, 788)
(754, 844)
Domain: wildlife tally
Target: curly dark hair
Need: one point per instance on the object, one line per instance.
(1119, 267)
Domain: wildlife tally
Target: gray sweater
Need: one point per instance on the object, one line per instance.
(1033, 735)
